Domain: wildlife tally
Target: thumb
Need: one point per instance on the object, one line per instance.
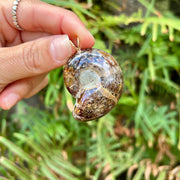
(34, 57)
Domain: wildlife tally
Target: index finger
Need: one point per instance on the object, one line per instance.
(34, 15)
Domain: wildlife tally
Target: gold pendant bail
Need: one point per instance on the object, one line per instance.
(78, 49)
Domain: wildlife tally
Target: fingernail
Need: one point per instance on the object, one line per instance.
(11, 99)
(90, 34)
(60, 48)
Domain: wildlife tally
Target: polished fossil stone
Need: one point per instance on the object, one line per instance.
(95, 79)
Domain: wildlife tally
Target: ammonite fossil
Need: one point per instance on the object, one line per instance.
(95, 79)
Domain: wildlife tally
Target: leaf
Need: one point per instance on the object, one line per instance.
(131, 36)
(144, 28)
(66, 165)
(162, 175)
(147, 133)
(173, 23)
(145, 47)
(70, 5)
(139, 173)
(164, 29)
(124, 166)
(57, 169)
(98, 173)
(46, 171)
(16, 150)
(3, 178)
(155, 32)
(166, 86)
(3, 127)
(99, 44)
(129, 101)
(141, 99)
(69, 100)
(149, 6)
(171, 33)
(31, 143)
(17, 170)
(151, 66)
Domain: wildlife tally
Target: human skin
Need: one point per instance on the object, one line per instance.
(26, 57)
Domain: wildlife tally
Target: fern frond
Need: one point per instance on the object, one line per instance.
(164, 87)
(50, 163)
(70, 4)
(14, 168)
(15, 149)
(147, 169)
(156, 22)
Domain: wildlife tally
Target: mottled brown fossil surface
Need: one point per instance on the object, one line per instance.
(95, 79)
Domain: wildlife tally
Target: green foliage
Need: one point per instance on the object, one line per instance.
(43, 163)
(139, 139)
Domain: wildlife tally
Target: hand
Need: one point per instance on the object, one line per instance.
(27, 56)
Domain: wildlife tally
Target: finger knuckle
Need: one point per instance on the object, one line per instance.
(31, 57)
(72, 14)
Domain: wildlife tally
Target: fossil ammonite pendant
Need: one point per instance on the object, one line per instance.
(95, 79)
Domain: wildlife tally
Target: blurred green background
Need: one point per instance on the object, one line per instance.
(140, 138)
